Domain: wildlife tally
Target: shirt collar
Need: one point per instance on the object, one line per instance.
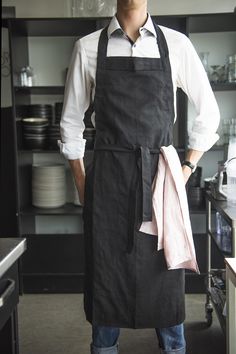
(114, 26)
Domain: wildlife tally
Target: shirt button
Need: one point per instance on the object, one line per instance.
(134, 45)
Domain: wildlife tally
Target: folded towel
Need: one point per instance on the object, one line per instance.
(170, 220)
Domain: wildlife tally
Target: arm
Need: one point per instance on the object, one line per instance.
(193, 80)
(193, 156)
(76, 102)
(77, 167)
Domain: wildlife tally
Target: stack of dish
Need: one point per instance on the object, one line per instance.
(41, 111)
(48, 185)
(89, 135)
(53, 136)
(58, 111)
(34, 132)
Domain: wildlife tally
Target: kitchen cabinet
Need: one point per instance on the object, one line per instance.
(11, 250)
(46, 45)
(221, 230)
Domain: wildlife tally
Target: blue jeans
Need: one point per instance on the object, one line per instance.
(105, 340)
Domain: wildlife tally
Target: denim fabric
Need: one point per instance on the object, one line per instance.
(105, 336)
(171, 339)
(107, 350)
(105, 340)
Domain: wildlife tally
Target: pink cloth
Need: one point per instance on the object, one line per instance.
(170, 220)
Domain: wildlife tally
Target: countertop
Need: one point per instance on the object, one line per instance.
(10, 250)
(231, 262)
(222, 206)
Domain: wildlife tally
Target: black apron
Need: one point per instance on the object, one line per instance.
(127, 283)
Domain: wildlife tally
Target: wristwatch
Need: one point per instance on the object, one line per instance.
(190, 165)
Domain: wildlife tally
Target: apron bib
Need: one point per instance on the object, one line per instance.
(127, 283)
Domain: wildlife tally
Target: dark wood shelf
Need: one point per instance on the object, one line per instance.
(40, 90)
(52, 90)
(221, 22)
(223, 86)
(67, 209)
(48, 27)
(39, 151)
(32, 236)
(78, 27)
(217, 148)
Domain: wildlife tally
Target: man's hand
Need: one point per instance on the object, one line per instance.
(193, 156)
(77, 167)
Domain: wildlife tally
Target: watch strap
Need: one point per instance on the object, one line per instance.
(189, 164)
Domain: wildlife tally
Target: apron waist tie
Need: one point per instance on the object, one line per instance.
(144, 153)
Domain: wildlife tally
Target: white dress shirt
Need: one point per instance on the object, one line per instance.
(187, 73)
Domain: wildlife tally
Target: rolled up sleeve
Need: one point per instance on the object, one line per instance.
(193, 80)
(76, 102)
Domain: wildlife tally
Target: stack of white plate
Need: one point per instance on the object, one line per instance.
(48, 185)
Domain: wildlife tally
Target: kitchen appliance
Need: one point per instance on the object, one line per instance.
(231, 181)
(223, 183)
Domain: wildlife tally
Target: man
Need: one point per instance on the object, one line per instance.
(132, 69)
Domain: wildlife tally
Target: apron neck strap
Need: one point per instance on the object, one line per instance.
(103, 42)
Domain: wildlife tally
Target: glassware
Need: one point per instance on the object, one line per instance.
(27, 76)
(92, 8)
(226, 238)
(222, 73)
(232, 127)
(232, 68)
(214, 75)
(220, 131)
(223, 233)
(226, 130)
(23, 77)
(30, 76)
(204, 59)
(77, 8)
(218, 223)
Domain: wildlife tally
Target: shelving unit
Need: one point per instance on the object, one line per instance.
(228, 213)
(67, 209)
(40, 90)
(223, 86)
(215, 33)
(44, 248)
